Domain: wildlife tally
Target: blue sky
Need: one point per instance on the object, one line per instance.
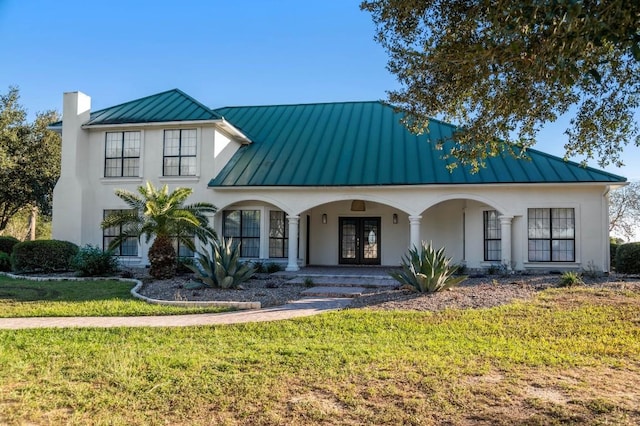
(221, 52)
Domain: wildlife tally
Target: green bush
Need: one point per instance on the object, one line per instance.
(43, 256)
(224, 269)
(628, 258)
(5, 262)
(570, 279)
(427, 270)
(91, 261)
(613, 247)
(7, 243)
(259, 267)
(273, 267)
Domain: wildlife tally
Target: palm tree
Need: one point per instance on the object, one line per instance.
(163, 215)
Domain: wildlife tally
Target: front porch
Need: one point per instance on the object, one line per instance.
(358, 233)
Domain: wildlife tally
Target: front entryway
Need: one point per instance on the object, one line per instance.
(359, 240)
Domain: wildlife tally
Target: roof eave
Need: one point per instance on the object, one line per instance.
(234, 132)
(57, 129)
(611, 185)
(215, 121)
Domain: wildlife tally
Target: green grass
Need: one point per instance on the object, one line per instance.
(23, 298)
(349, 367)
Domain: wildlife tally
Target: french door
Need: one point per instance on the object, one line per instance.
(359, 240)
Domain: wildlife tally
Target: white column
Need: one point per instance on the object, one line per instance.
(414, 223)
(292, 264)
(505, 229)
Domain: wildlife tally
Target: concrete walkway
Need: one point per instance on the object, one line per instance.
(300, 308)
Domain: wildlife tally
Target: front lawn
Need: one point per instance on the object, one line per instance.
(571, 356)
(23, 298)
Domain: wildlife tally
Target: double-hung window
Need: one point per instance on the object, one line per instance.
(278, 234)
(122, 154)
(129, 247)
(180, 148)
(492, 236)
(244, 227)
(552, 235)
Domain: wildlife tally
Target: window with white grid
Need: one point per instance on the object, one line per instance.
(122, 154)
(551, 235)
(180, 148)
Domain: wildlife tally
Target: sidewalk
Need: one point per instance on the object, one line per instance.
(301, 308)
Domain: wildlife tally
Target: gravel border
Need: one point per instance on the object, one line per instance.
(266, 290)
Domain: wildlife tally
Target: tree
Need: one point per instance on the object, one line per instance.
(161, 214)
(624, 210)
(504, 68)
(29, 158)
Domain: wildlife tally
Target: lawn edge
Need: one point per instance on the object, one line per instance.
(138, 286)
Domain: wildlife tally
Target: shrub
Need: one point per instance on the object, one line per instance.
(43, 256)
(223, 269)
(259, 267)
(570, 279)
(628, 258)
(427, 270)
(7, 243)
(91, 261)
(273, 267)
(613, 247)
(5, 262)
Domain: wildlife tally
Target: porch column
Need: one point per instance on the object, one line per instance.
(414, 223)
(292, 264)
(505, 229)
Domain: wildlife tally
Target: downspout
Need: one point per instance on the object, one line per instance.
(606, 262)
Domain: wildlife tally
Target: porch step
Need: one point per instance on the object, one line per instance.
(326, 291)
(346, 281)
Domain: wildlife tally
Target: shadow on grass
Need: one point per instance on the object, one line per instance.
(63, 291)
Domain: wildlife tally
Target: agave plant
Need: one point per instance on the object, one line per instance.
(427, 270)
(223, 268)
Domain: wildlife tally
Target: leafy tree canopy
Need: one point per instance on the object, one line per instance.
(503, 68)
(29, 158)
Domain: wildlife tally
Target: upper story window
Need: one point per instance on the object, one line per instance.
(492, 236)
(552, 235)
(122, 154)
(179, 152)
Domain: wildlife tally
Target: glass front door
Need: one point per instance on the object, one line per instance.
(359, 240)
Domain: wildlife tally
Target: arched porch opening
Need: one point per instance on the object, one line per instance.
(473, 232)
(353, 231)
(261, 228)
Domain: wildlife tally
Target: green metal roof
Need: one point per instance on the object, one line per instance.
(364, 143)
(172, 105)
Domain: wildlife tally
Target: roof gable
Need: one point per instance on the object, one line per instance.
(364, 143)
(172, 105)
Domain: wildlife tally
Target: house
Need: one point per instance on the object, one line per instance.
(327, 184)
